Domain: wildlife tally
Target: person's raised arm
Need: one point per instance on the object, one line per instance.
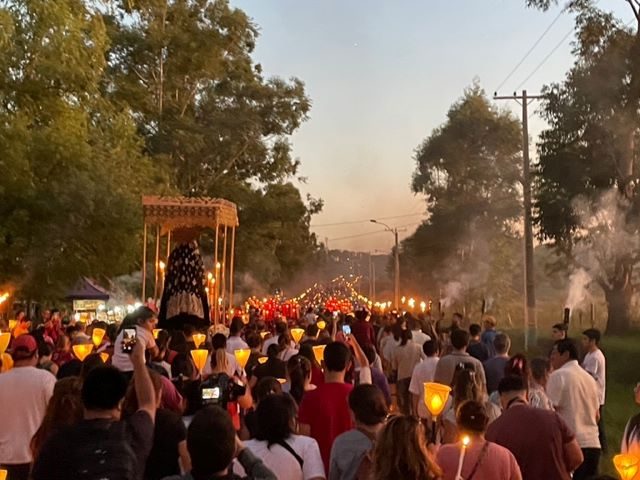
(142, 382)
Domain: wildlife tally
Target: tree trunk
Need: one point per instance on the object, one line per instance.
(619, 308)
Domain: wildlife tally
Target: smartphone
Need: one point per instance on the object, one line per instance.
(346, 329)
(129, 339)
(211, 393)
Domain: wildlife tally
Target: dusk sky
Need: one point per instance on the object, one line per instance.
(381, 76)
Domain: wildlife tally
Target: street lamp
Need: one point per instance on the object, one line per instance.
(396, 277)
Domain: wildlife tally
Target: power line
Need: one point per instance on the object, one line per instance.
(370, 233)
(526, 55)
(354, 222)
(544, 60)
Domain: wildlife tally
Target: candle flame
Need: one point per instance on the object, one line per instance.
(466, 440)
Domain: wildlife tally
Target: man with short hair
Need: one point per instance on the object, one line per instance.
(541, 441)
(423, 372)
(476, 348)
(595, 364)
(494, 367)
(25, 392)
(281, 328)
(489, 334)
(559, 332)
(446, 367)
(103, 445)
(368, 410)
(324, 413)
(574, 394)
(213, 444)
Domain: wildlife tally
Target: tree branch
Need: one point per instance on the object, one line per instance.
(635, 6)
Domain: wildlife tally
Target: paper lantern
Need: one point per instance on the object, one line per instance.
(297, 334)
(12, 324)
(198, 339)
(264, 334)
(156, 331)
(435, 397)
(282, 380)
(104, 356)
(263, 360)
(97, 335)
(200, 358)
(4, 341)
(7, 363)
(318, 352)
(3, 475)
(82, 351)
(627, 465)
(321, 324)
(242, 356)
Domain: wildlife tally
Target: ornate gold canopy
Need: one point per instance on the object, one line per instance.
(172, 213)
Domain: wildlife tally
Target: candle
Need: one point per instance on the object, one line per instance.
(4, 341)
(318, 352)
(82, 351)
(156, 331)
(627, 465)
(97, 335)
(198, 339)
(199, 358)
(104, 356)
(463, 448)
(297, 333)
(242, 356)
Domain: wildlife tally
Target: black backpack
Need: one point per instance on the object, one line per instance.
(101, 451)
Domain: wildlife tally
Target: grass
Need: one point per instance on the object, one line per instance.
(623, 357)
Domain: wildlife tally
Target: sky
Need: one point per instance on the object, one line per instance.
(382, 75)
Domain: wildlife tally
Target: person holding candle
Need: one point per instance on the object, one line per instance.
(401, 452)
(479, 459)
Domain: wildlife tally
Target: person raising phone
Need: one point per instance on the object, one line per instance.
(137, 327)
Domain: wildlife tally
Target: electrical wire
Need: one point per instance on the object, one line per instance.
(354, 222)
(526, 55)
(370, 233)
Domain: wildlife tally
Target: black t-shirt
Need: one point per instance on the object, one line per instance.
(479, 351)
(97, 449)
(274, 367)
(168, 433)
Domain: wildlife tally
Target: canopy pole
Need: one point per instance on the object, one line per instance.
(156, 266)
(214, 296)
(144, 264)
(233, 248)
(223, 287)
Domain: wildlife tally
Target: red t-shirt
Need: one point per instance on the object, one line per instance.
(317, 376)
(326, 411)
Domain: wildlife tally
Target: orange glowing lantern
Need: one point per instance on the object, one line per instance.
(627, 465)
(282, 380)
(156, 331)
(12, 324)
(264, 334)
(321, 324)
(104, 356)
(242, 356)
(318, 352)
(199, 358)
(297, 334)
(82, 351)
(97, 335)
(7, 362)
(435, 397)
(3, 474)
(198, 339)
(263, 360)
(4, 341)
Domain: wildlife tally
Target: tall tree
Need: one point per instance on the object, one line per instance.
(468, 168)
(586, 195)
(206, 112)
(71, 163)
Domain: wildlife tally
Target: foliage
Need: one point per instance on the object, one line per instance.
(585, 184)
(72, 168)
(469, 170)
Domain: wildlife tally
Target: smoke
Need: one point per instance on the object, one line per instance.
(578, 288)
(604, 234)
(452, 292)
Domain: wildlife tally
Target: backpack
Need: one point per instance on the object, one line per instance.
(102, 451)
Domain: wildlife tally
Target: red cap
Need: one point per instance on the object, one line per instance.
(24, 346)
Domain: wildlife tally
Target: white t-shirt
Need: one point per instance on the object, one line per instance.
(423, 372)
(283, 464)
(270, 341)
(24, 395)
(419, 337)
(121, 360)
(595, 364)
(574, 394)
(235, 343)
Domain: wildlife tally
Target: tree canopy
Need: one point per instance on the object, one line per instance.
(469, 170)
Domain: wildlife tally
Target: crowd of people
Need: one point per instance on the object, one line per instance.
(344, 402)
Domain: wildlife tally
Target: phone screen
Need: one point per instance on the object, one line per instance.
(346, 329)
(128, 339)
(211, 393)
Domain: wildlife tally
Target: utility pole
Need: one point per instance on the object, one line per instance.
(396, 276)
(531, 332)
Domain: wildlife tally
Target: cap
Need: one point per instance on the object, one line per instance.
(23, 347)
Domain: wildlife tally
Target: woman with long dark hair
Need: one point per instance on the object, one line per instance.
(289, 456)
(299, 377)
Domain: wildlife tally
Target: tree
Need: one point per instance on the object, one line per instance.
(207, 115)
(72, 168)
(586, 199)
(468, 168)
